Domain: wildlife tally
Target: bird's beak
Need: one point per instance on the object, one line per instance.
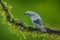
(25, 14)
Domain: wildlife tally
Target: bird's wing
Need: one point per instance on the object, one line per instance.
(38, 21)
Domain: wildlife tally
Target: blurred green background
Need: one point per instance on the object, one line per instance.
(49, 10)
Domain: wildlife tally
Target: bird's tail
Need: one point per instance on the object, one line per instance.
(42, 28)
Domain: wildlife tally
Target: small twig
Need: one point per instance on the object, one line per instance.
(21, 24)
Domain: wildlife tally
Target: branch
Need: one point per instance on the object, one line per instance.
(21, 24)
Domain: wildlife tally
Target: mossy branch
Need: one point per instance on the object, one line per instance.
(21, 24)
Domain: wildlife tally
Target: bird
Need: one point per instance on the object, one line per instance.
(36, 20)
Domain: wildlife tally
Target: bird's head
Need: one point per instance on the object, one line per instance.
(29, 13)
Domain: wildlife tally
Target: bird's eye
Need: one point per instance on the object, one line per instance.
(27, 13)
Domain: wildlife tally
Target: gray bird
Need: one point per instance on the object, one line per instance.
(36, 20)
